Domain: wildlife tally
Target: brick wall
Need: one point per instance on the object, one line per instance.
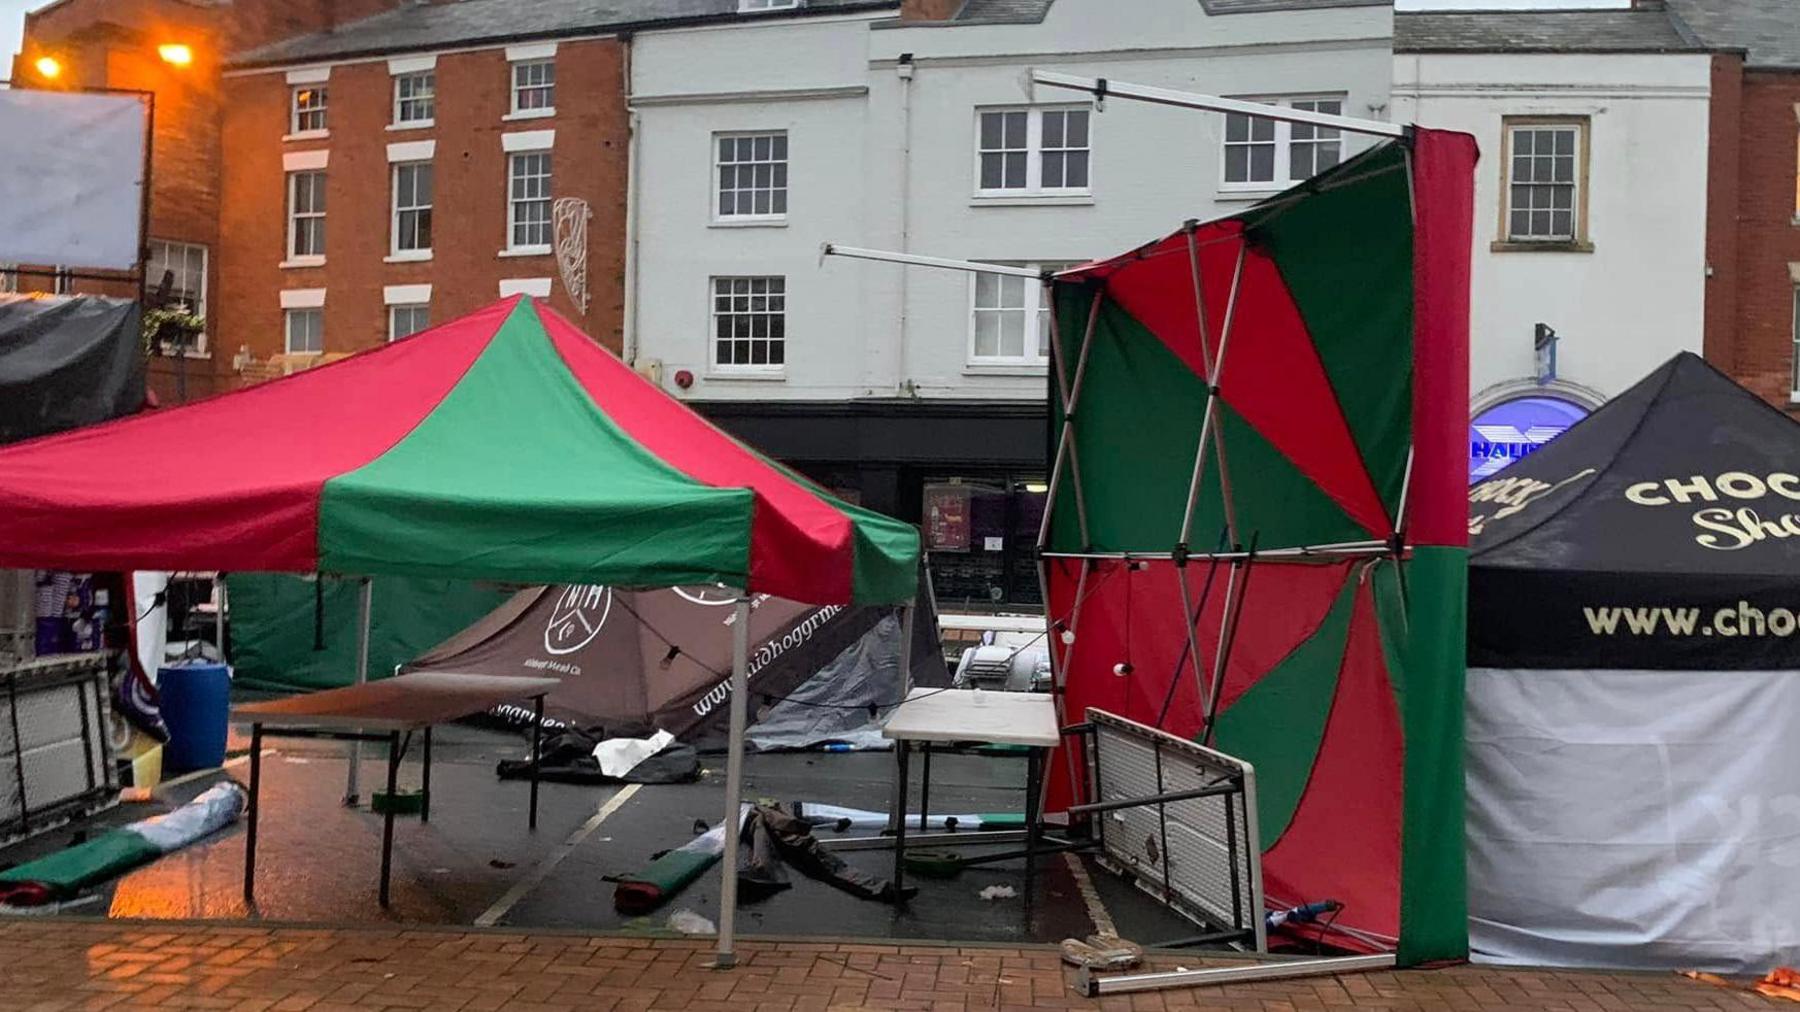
(1751, 285)
(469, 201)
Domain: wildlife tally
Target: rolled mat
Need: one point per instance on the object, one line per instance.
(117, 851)
(643, 891)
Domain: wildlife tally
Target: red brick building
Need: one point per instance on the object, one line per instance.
(363, 198)
(1753, 198)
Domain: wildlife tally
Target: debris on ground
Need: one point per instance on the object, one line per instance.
(1102, 952)
(998, 893)
(497, 863)
(689, 923)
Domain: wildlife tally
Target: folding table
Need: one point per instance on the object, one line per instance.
(384, 711)
(943, 716)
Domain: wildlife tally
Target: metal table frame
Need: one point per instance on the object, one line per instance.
(399, 740)
(1034, 835)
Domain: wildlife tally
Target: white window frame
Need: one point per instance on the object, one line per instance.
(1794, 394)
(396, 308)
(778, 167)
(9, 279)
(1283, 141)
(1510, 127)
(294, 216)
(1034, 152)
(752, 6)
(430, 97)
(296, 113)
(62, 282)
(734, 369)
(288, 315)
(514, 88)
(1036, 319)
(396, 211)
(154, 279)
(512, 203)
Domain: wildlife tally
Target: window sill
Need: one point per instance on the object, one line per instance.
(407, 257)
(417, 124)
(1508, 246)
(307, 135)
(519, 114)
(1031, 200)
(307, 261)
(525, 251)
(188, 354)
(1004, 369)
(748, 221)
(764, 376)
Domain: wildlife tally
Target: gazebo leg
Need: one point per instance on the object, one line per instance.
(734, 785)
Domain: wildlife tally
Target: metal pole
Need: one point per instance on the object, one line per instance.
(1087, 984)
(219, 617)
(907, 613)
(916, 260)
(1213, 103)
(366, 606)
(734, 785)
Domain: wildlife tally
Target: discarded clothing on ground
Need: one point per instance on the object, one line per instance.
(62, 874)
(769, 840)
(568, 758)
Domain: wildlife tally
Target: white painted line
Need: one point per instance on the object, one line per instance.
(524, 886)
(1103, 922)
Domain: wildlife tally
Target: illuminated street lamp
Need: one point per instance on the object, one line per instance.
(48, 67)
(176, 54)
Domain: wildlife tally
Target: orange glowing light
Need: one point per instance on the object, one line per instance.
(48, 67)
(176, 53)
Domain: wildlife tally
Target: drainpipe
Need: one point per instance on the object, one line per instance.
(905, 71)
(629, 340)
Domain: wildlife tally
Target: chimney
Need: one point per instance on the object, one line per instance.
(929, 10)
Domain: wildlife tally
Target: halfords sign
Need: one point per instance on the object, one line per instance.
(1725, 527)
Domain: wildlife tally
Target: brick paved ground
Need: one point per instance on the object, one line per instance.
(61, 964)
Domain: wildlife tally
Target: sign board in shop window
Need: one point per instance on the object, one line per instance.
(947, 520)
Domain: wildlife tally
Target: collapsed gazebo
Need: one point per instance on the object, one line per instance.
(1255, 533)
(503, 446)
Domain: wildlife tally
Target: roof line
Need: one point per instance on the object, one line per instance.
(624, 28)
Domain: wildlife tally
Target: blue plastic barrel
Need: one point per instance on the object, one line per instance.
(196, 704)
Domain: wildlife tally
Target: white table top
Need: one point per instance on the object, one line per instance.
(1002, 718)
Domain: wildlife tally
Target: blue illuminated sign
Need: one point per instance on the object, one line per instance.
(1506, 432)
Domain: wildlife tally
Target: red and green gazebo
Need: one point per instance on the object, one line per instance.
(1256, 533)
(503, 446)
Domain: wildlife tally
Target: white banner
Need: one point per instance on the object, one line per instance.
(1646, 819)
(71, 177)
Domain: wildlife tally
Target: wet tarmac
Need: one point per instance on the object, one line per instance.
(476, 862)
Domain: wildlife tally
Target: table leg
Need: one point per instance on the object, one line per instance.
(425, 782)
(387, 823)
(924, 786)
(537, 754)
(251, 814)
(1034, 784)
(902, 748)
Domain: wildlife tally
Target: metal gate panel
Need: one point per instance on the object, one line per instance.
(1200, 855)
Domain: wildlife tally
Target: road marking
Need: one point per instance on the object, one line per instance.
(1103, 922)
(521, 888)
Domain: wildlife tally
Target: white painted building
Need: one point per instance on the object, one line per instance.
(1590, 199)
(758, 141)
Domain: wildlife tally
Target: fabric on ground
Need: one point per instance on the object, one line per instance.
(1655, 810)
(843, 702)
(568, 758)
